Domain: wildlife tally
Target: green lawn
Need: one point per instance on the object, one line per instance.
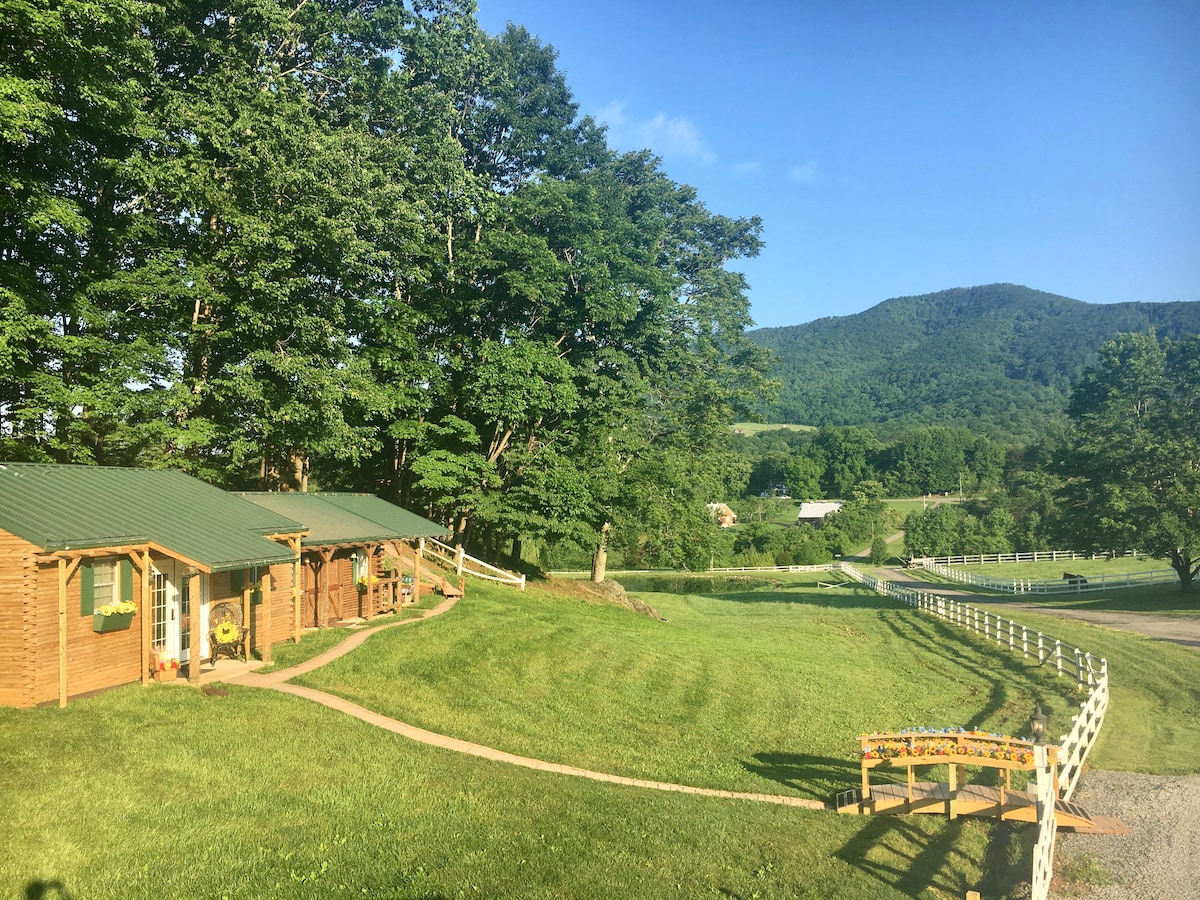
(752, 428)
(166, 791)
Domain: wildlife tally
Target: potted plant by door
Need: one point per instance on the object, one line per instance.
(168, 669)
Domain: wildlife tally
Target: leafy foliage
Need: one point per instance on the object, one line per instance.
(1133, 457)
(367, 244)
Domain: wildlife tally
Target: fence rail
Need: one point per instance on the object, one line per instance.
(979, 559)
(464, 563)
(1057, 586)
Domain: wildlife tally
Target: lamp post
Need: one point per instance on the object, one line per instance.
(1037, 725)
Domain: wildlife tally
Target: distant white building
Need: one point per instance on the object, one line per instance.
(814, 513)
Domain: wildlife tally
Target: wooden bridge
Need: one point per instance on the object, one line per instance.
(956, 750)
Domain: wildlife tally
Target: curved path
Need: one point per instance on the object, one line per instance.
(1182, 630)
(279, 681)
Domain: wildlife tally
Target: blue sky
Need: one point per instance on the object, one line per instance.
(902, 148)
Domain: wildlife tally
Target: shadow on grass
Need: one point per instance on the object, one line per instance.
(46, 890)
(818, 777)
(999, 669)
(890, 837)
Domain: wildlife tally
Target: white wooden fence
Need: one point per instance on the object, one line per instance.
(1090, 673)
(979, 559)
(464, 563)
(1055, 586)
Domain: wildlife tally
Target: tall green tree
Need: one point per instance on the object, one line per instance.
(272, 201)
(1133, 456)
(72, 78)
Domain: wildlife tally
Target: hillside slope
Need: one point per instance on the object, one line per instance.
(999, 358)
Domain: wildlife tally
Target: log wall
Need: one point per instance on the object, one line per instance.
(282, 616)
(18, 573)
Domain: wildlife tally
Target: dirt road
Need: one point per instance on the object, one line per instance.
(1182, 630)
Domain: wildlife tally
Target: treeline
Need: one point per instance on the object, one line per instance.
(281, 243)
(982, 496)
(832, 461)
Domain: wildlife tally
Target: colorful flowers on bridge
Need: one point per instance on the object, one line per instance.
(925, 743)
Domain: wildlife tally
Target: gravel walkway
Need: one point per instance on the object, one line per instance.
(1160, 860)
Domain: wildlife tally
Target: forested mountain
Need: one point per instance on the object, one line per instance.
(998, 358)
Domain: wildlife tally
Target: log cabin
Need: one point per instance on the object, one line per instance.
(103, 570)
(360, 557)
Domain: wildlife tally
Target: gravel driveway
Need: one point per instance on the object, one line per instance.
(1160, 860)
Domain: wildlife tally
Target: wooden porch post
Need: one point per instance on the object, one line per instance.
(297, 597)
(193, 581)
(374, 586)
(247, 611)
(62, 632)
(146, 612)
(322, 593)
(417, 572)
(265, 640)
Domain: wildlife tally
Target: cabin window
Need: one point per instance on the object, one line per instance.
(103, 581)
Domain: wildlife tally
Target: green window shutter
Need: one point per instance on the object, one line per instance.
(87, 588)
(236, 580)
(125, 579)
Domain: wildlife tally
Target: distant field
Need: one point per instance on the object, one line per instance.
(753, 428)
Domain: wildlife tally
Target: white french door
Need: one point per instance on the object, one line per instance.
(171, 609)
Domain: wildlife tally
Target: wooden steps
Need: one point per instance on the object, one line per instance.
(972, 800)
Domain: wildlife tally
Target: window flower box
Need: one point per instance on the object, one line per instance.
(102, 624)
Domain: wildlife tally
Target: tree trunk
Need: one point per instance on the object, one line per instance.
(600, 559)
(1181, 562)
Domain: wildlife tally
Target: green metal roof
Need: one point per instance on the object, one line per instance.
(337, 518)
(84, 507)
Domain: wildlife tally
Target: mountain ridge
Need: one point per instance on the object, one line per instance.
(999, 358)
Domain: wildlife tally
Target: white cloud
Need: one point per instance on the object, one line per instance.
(746, 169)
(807, 173)
(668, 137)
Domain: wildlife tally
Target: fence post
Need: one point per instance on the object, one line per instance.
(1041, 648)
(1058, 656)
(1043, 852)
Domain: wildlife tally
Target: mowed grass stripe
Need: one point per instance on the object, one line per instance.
(743, 692)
